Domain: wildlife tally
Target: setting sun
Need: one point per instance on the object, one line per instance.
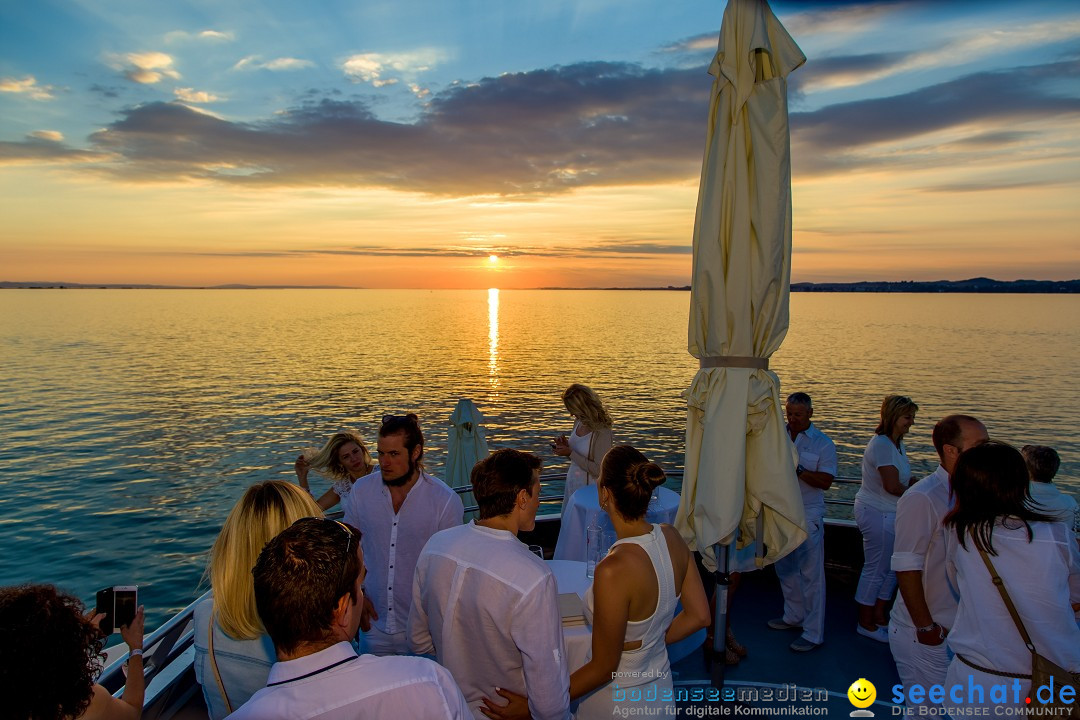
(493, 259)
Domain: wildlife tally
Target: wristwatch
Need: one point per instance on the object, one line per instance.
(799, 470)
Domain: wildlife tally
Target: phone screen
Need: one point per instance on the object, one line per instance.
(105, 608)
(127, 601)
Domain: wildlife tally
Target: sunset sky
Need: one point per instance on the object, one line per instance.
(403, 143)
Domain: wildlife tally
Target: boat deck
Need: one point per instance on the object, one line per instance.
(844, 657)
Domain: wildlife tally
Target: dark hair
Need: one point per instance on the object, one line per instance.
(408, 424)
(1042, 462)
(630, 478)
(990, 481)
(800, 398)
(49, 653)
(949, 430)
(300, 576)
(498, 478)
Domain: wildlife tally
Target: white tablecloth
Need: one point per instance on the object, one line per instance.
(570, 577)
(585, 504)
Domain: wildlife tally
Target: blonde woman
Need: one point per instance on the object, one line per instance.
(344, 458)
(886, 474)
(233, 661)
(589, 441)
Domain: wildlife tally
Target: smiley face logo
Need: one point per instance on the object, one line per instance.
(862, 693)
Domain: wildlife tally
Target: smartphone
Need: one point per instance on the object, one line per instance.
(118, 604)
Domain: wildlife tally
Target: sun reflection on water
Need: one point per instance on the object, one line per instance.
(493, 341)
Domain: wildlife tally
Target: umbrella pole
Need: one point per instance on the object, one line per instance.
(722, 576)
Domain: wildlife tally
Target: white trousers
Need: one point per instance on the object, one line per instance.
(377, 642)
(877, 581)
(802, 578)
(917, 664)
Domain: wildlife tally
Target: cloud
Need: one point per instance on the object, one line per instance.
(145, 68)
(205, 35)
(196, 96)
(533, 134)
(696, 44)
(597, 251)
(255, 62)
(380, 69)
(975, 44)
(45, 147)
(847, 19)
(519, 134)
(865, 132)
(26, 86)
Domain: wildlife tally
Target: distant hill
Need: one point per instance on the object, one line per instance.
(974, 285)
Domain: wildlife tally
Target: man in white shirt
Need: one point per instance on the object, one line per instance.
(485, 605)
(802, 572)
(398, 509)
(926, 606)
(308, 591)
(1042, 464)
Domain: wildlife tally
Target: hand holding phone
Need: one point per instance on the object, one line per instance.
(117, 605)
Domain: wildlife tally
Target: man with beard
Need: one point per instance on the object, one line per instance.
(397, 510)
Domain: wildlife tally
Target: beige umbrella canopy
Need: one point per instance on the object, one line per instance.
(740, 465)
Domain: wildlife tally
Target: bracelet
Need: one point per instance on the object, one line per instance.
(136, 652)
(928, 628)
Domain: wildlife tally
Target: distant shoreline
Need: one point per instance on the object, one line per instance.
(973, 285)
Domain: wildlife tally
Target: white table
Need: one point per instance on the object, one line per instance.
(585, 504)
(570, 577)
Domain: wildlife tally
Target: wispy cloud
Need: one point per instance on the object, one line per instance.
(45, 146)
(145, 68)
(177, 36)
(380, 69)
(191, 95)
(255, 62)
(975, 44)
(26, 86)
(50, 135)
(848, 19)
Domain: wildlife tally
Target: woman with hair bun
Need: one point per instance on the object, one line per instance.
(344, 458)
(589, 441)
(634, 594)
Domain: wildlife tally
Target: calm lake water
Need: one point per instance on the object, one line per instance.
(132, 420)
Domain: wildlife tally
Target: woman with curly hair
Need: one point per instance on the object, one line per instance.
(233, 659)
(50, 654)
(344, 458)
(589, 441)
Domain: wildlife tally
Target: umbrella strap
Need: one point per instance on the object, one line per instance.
(712, 361)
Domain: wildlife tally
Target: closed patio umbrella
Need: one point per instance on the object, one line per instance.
(465, 446)
(740, 483)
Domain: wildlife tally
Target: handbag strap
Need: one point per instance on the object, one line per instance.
(213, 664)
(1000, 584)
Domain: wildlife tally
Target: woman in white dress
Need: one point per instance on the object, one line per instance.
(1039, 567)
(886, 474)
(631, 603)
(344, 458)
(589, 441)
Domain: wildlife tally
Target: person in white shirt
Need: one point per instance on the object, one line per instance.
(1038, 567)
(1042, 464)
(398, 508)
(309, 593)
(485, 605)
(924, 612)
(886, 474)
(802, 572)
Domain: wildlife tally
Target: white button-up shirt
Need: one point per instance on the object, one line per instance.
(392, 541)
(489, 609)
(920, 545)
(817, 453)
(336, 684)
